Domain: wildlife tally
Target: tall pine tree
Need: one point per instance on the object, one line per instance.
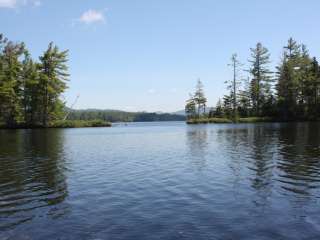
(52, 82)
(261, 77)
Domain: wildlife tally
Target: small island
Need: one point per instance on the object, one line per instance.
(290, 93)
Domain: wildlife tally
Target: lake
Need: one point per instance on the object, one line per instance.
(161, 181)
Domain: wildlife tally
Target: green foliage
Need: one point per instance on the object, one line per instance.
(227, 120)
(260, 85)
(30, 91)
(78, 123)
(218, 111)
(190, 107)
(233, 87)
(52, 81)
(208, 120)
(196, 104)
(255, 119)
(294, 96)
(298, 83)
(121, 116)
(10, 81)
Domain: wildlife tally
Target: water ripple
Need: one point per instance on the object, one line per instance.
(161, 181)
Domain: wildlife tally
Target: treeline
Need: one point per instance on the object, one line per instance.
(122, 116)
(30, 90)
(290, 92)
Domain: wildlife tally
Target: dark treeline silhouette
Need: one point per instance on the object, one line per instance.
(30, 90)
(122, 116)
(291, 92)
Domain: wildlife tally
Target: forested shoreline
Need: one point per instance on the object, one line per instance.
(122, 116)
(30, 90)
(289, 93)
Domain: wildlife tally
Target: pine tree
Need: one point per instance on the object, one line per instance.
(294, 78)
(245, 99)
(200, 99)
(3, 41)
(227, 105)
(233, 85)
(10, 83)
(292, 49)
(31, 98)
(190, 107)
(29, 91)
(53, 77)
(218, 112)
(313, 86)
(261, 76)
(304, 75)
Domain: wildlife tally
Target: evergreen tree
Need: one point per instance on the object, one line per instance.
(190, 107)
(292, 49)
(3, 41)
(314, 89)
(304, 78)
(261, 76)
(227, 106)
(294, 81)
(52, 82)
(218, 112)
(284, 75)
(200, 99)
(31, 98)
(29, 91)
(10, 83)
(245, 99)
(233, 85)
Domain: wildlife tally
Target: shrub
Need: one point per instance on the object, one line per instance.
(79, 124)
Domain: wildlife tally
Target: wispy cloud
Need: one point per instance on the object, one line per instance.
(8, 3)
(92, 16)
(17, 3)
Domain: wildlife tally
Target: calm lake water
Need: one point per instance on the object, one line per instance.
(161, 181)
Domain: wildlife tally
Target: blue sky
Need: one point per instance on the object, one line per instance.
(146, 54)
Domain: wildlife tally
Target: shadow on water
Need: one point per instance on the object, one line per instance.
(298, 160)
(32, 176)
(249, 150)
(267, 155)
(285, 153)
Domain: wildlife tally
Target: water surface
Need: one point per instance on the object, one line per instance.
(161, 181)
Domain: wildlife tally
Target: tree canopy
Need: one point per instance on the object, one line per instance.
(291, 92)
(30, 91)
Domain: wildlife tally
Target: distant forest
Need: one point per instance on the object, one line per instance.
(290, 92)
(122, 116)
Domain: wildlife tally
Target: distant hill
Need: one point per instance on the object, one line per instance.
(180, 112)
(183, 113)
(122, 116)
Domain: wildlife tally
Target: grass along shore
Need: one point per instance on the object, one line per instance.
(79, 124)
